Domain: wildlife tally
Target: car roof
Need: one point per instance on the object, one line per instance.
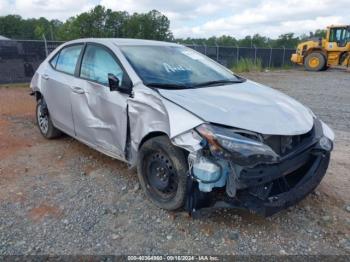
(124, 41)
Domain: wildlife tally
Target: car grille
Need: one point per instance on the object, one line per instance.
(283, 145)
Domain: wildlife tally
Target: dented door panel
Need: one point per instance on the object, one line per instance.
(100, 117)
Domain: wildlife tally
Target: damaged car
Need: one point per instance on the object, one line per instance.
(199, 135)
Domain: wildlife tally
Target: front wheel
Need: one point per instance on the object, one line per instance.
(44, 122)
(315, 62)
(162, 170)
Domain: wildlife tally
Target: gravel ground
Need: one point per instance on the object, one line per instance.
(61, 197)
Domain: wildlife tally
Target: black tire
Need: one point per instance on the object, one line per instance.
(325, 68)
(47, 129)
(160, 152)
(315, 62)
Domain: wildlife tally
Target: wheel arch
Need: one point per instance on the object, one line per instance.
(316, 50)
(37, 95)
(152, 135)
(132, 158)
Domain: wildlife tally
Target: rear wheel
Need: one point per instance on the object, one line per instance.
(315, 62)
(162, 171)
(44, 122)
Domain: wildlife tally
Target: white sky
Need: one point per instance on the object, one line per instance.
(205, 18)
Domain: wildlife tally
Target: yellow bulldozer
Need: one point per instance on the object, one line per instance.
(320, 54)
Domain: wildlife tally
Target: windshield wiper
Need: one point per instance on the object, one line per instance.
(218, 82)
(166, 86)
(183, 86)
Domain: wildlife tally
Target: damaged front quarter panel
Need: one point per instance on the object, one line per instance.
(149, 113)
(205, 172)
(218, 179)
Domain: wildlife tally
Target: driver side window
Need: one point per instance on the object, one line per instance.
(97, 63)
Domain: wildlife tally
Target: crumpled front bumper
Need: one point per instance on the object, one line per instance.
(264, 188)
(256, 200)
(267, 189)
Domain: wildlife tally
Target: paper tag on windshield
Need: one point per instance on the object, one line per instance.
(192, 55)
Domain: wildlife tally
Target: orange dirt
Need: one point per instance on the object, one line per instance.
(44, 210)
(14, 102)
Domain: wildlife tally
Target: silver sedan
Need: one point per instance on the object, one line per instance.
(199, 135)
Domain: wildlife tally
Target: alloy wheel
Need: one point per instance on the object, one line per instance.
(43, 119)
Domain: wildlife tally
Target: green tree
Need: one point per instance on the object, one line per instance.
(152, 25)
(319, 33)
(115, 25)
(287, 40)
(11, 26)
(55, 26)
(101, 22)
(42, 27)
(224, 40)
(257, 40)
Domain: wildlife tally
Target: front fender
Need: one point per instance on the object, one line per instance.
(146, 114)
(149, 112)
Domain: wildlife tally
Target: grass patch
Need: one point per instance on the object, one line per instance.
(15, 85)
(248, 65)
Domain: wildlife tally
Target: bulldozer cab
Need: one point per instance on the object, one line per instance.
(339, 35)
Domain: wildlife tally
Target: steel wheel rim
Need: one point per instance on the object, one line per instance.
(43, 120)
(314, 62)
(162, 179)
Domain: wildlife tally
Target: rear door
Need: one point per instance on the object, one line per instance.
(58, 81)
(100, 116)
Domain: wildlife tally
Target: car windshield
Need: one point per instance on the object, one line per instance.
(175, 67)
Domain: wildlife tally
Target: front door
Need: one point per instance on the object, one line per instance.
(100, 116)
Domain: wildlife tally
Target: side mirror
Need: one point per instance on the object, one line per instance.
(113, 82)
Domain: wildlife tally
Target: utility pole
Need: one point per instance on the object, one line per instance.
(51, 32)
(45, 44)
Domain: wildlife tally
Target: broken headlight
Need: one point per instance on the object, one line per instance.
(242, 147)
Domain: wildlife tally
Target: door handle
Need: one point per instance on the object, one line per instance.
(46, 76)
(78, 90)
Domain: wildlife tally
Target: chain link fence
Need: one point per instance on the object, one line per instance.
(230, 55)
(20, 58)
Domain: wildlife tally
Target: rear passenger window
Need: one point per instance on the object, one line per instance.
(68, 58)
(53, 61)
(97, 63)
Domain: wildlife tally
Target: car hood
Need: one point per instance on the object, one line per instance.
(246, 105)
